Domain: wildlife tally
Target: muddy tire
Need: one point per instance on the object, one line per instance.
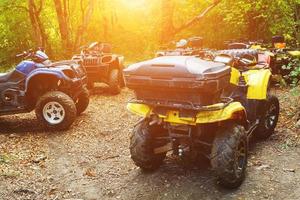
(269, 120)
(56, 110)
(142, 148)
(114, 81)
(83, 101)
(229, 155)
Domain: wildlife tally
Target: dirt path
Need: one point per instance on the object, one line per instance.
(92, 161)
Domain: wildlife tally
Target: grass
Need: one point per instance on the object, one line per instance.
(4, 159)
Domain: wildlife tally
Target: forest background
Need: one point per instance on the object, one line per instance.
(137, 28)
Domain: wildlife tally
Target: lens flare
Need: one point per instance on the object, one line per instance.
(133, 4)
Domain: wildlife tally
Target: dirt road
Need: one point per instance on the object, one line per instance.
(92, 161)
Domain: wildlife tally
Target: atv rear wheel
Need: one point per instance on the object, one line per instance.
(56, 110)
(229, 155)
(142, 147)
(114, 81)
(83, 101)
(269, 120)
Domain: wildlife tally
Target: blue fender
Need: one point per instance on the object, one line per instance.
(44, 71)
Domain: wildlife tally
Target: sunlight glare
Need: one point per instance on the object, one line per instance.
(133, 4)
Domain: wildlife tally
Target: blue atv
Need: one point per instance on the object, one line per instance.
(56, 91)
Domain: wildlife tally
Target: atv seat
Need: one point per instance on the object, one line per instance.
(13, 76)
(239, 52)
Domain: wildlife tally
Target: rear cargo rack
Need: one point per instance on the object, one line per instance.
(225, 101)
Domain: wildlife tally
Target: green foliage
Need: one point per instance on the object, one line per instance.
(295, 92)
(133, 26)
(294, 67)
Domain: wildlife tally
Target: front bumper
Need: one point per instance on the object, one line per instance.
(75, 87)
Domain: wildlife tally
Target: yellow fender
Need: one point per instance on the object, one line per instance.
(235, 75)
(294, 53)
(257, 47)
(258, 82)
(139, 109)
(234, 110)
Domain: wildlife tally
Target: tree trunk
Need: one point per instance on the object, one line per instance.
(62, 17)
(87, 14)
(32, 15)
(39, 32)
(167, 27)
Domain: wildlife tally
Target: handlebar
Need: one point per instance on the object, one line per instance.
(29, 53)
(22, 54)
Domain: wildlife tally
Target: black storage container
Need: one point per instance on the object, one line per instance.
(178, 79)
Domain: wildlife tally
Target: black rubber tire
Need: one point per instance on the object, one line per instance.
(114, 81)
(224, 155)
(142, 147)
(264, 132)
(83, 101)
(64, 100)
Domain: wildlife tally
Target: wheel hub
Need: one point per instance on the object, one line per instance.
(54, 113)
(240, 159)
(270, 117)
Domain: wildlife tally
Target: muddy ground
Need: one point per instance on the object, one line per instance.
(92, 160)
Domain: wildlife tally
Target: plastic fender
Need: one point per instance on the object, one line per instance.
(221, 115)
(235, 75)
(57, 74)
(139, 109)
(294, 53)
(258, 81)
(257, 47)
(206, 117)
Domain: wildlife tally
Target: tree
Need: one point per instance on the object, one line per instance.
(168, 29)
(63, 21)
(86, 15)
(39, 33)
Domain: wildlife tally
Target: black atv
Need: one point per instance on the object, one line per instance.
(56, 91)
(102, 66)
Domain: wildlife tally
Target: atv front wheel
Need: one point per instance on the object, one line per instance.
(114, 81)
(269, 120)
(56, 110)
(142, 147)
(83, 101)
(229, 155)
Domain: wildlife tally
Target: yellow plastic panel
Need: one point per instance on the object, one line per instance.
(235, 75)
(220, 115)
(139, 109)
(205, 117)
(294, 53)
(257, 81)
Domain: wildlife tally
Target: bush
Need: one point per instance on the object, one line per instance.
(293, 67)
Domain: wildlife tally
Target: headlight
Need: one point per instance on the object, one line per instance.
(69, 73)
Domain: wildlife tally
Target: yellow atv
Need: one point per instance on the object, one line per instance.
(194, 107)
